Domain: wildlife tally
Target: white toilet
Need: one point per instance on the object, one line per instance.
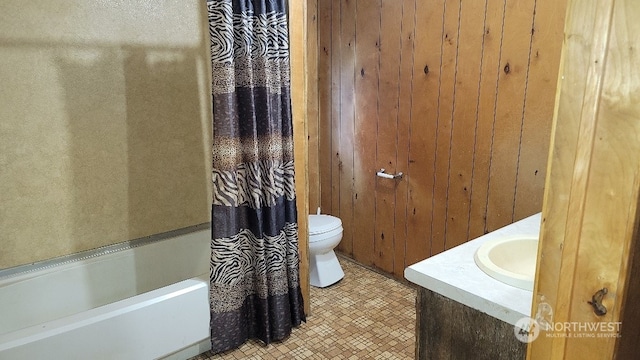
(325, 233)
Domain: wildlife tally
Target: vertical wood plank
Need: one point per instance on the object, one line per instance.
(593, 171)
(516, 42)
(611, 199)
(366, 85)
(468, 67)
(324, 102)
(300, 134)
(424, 108)
(449, 57)
(625, 78)
(405, 100)
(347, 119)
(313, 120)
(493, 31)
(564, 139)
(544, 63)
(336, 54)
(386, 141)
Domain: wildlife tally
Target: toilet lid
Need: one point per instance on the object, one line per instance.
(319, 224)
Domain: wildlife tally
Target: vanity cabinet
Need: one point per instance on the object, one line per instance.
(447, 329)
(463, 313)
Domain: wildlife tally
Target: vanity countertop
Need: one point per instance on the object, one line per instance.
(454, 274)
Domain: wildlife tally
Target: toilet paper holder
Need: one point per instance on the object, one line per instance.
(381, 173)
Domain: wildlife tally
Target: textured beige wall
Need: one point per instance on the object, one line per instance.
(104, 123)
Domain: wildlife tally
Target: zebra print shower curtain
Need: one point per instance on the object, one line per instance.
(255, 288)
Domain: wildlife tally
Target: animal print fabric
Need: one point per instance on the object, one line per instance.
(231, 151)
(256, 184)
(254, 274)
(246, 274)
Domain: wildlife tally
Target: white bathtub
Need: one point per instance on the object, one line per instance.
(145, 299)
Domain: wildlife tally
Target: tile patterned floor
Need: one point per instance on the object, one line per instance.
(364, 316)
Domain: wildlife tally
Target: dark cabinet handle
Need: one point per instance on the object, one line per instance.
(596, 302)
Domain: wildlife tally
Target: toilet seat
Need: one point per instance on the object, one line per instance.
(320, 224)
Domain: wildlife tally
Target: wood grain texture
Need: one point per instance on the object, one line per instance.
(536, 128)
(449, 49)
(492, 40)
(387, 131)
(613, 180)
(431, 99)
(506, 137)
(450, 330)
(347, 121)
(313, 113)
(424, 111)
(434, 326)
(591, 204)
(463, 127)
(324, 103)
(366, 87)
(580, 128)
(298, 26)
(405, 99)
(336, 102)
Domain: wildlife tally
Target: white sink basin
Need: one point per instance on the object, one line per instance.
(511, 260)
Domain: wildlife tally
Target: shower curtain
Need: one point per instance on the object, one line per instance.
(255, 288)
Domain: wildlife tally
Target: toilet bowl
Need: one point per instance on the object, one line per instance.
(325, 233)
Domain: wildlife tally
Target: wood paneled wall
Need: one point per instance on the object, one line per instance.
(298, 46)
(457, 95)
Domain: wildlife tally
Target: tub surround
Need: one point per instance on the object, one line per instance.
(455, 275)
(122, 89)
